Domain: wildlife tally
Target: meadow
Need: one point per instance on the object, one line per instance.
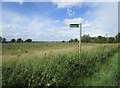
(58, 64)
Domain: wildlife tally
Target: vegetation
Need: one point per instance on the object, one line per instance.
(4, 40)
(58, 65)
(28, 40)
(99, 39)
(13, 40)
(19, 40)
(74, 40)
(84, 39)
(108, 72)
(0, 39)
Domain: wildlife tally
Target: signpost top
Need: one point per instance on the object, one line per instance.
(74, 25)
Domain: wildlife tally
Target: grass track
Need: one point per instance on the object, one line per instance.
(107, 76)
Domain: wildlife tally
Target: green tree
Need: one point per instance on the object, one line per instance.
(93, 39)
(71, 40)
(28, 40)
(85, 38)
(63, 41)
(99, 39)
(111, 39)
(13, 40)
(0, 39)
(75, 40)
(4, 40)
(19, 40)
(117, 37)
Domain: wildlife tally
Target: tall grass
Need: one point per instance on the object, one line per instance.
(15, 48)
(57, 70)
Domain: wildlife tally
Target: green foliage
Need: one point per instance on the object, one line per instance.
(117, 37)
(19, 40)
(100, 39)
(0, 39)
(28, 40)
(74, 40)
(71, 40)
(13, 40)
(4, 40)
(85, 38)
(57, 70)
(107, 75)
(111, 39)
(63, 41)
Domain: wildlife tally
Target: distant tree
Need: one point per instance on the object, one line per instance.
(85, 38)
(13, 40)
(28, 40)
(117, 37)
(75, 40)
(71, 40)
(99, 39)
(63, 41)
(19, 40)
(3, 40)
(0, 39)
(93, 39)
(104, 39)
(111, 40)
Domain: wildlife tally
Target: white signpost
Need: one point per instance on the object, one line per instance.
(78, 26)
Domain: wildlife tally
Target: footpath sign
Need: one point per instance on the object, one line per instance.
(78, 26)
(74, 25)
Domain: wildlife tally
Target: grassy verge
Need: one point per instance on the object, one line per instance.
(107, 76)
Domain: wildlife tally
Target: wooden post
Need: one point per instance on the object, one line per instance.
(80, 40)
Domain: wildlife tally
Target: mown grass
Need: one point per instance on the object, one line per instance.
(64, 69)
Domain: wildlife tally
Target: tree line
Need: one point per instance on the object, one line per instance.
(98, 39)
(19, 40)
(84, 39)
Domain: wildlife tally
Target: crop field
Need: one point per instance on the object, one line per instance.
(58, 64)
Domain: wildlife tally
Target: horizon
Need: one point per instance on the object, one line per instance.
(59, 40)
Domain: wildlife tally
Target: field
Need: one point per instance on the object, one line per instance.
(58, 64)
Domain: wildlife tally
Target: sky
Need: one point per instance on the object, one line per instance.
(49, 21)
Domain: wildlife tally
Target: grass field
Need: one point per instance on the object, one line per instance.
(58, 64)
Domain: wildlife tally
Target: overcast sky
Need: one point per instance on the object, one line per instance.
(49, 21)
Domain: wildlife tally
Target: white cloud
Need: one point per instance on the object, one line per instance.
(70, 12)
(79, 20)
(39, 28)
(106, 20)
(73, 3)
(66, 3)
